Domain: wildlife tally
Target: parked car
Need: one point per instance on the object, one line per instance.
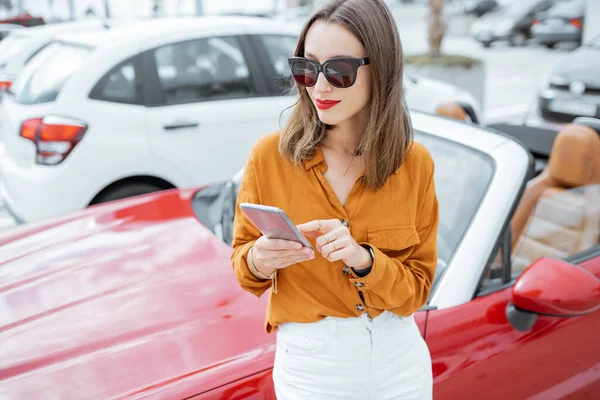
(573, 89)
(564, 22)
(512, 22)
(137, 298)
(20, 47)
(6, 29)
(160, 104)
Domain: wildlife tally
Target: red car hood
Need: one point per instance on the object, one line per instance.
(131, 299)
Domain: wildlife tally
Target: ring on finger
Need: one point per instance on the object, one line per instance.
(319, 226)
(334, 246)
(327, 239)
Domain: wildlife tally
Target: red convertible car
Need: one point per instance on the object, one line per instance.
(138, 299)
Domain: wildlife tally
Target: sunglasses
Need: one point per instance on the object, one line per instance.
(340, 72)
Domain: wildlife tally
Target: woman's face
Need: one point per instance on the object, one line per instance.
(325, 41)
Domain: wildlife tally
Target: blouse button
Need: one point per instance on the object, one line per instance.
(359, 284)
(360, 307)
(345, 223)
(346, 270)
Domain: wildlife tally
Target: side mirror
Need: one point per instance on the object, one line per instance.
(554, 288)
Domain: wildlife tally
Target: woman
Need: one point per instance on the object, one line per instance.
(344, 165)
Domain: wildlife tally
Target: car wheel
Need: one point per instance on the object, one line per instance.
(549, 45)
(518, 39)
(126, 190)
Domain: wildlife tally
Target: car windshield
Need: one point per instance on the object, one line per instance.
(10, 47)
(462, 176)
(46, 73)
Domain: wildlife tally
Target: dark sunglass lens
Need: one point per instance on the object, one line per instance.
(304, 73)
(341, 73)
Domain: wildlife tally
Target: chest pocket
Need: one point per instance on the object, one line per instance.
(394, 238)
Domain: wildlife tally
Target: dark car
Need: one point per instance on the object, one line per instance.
(512, 22)
(562, 23)
(573, 89)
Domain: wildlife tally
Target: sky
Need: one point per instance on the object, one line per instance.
(133, 8)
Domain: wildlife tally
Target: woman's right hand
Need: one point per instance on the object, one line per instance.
(271, 254)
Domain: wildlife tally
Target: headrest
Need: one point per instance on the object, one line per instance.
(575, 157)
(451, 110)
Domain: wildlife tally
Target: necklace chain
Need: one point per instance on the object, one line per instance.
(349, 164)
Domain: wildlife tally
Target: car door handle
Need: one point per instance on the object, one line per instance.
(181, 125)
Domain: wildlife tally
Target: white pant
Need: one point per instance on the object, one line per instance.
(353, 358)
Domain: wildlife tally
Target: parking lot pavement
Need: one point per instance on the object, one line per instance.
(513, 74)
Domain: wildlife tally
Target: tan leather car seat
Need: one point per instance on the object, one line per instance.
(553, 219)
(452, 110)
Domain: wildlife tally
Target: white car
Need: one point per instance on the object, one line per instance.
(22, 44)
(6, 29)
(158, 104)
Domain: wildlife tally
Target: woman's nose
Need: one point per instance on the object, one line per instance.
(323, 84)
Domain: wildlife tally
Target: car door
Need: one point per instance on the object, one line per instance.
(477, 351)
(206, 107)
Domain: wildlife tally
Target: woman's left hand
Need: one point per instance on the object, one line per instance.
(334, 242)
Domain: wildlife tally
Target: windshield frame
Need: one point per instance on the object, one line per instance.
(467, 226)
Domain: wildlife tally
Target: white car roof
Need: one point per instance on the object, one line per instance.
(52, 30)
(147, 30)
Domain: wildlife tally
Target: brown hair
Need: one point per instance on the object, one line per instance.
(389, 133)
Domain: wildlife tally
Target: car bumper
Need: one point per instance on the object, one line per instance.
(562, 106)
(557, 37)
(489, 37)
(37, 192)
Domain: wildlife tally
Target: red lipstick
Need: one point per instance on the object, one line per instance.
(326, 104)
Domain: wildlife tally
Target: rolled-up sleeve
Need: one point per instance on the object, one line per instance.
(399, 282)
(245, 233)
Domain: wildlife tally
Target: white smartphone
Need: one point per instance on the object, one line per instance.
(274, 223)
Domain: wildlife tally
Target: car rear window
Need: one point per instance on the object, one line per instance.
(47, 72)
(567, 9)
(10, 47)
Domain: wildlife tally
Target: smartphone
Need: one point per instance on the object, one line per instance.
(274, 223)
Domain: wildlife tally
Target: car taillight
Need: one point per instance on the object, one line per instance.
(576, 22)
(54, 137)
(5, 85)
(536, 21)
